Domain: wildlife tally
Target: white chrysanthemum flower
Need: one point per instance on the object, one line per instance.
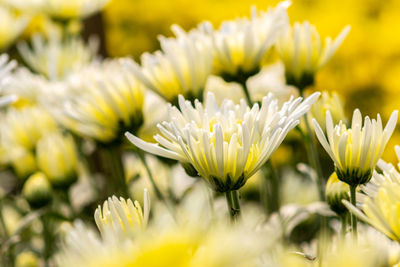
(5, 68)
(59, 9)
(225, 144)
(122, 217)
(11, 26)
(181, 68)
(24, 127)
(240, 45)
(57, 158)
(380, 204)
(29, 88)
(56, 58)
(355, 151)
(303, 54)
(182, 243)
(103, 102)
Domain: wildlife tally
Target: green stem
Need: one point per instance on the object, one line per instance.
(6, 237)
(47, 239)
(113, 160)
(159, 195)
(313, 158)
(236, 202)
(232, 200)
(343, 220)
(353, 217)
(271, 185)
(246, 92)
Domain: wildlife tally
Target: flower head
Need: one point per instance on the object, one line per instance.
(181, 68)
(355, 151)
(122, 217)
(29, 89)
(5, 68)
(11, 26)
(336, 191)
(24, 127)
(37, 190)
(56, 58)
(331, 102)
(240, 45)
(303, 54)
(380, 204)
(225, 144)
(103, 101)
(57, 158)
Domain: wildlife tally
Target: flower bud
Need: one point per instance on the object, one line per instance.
(23, 163)
(37, 190)
(331, 102)
(57, 159)
(336, 191)
(26, 259)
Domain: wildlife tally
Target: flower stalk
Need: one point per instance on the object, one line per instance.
(232, 200)
(313, 158)
(112, 161)
(353, 217)
(157, 190)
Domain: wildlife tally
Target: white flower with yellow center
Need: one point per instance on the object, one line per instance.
(303, 54)
(379, 207)
(29, 88)
(24, 127)
(240, 45)
(11, 26)
(122, 217)
(5, 68)
(57, 158)
(59, 9)
(56, 58)
(225, 144)
(355, 151)
(181, 68)
(102, 102)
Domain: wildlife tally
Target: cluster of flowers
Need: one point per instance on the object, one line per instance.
(70, 115)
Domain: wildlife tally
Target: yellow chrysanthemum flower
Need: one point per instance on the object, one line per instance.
(225, 144)
(103, 101)
(355, 151)
(181, 68)
(56, 58)
(380, 205)
(57, 158)
(303, 54)
(122, 217)
(11, 26)
(240, 45)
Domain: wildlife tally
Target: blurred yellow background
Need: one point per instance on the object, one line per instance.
(365, 71)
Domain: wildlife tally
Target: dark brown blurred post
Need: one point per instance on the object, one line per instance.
(94, 26)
